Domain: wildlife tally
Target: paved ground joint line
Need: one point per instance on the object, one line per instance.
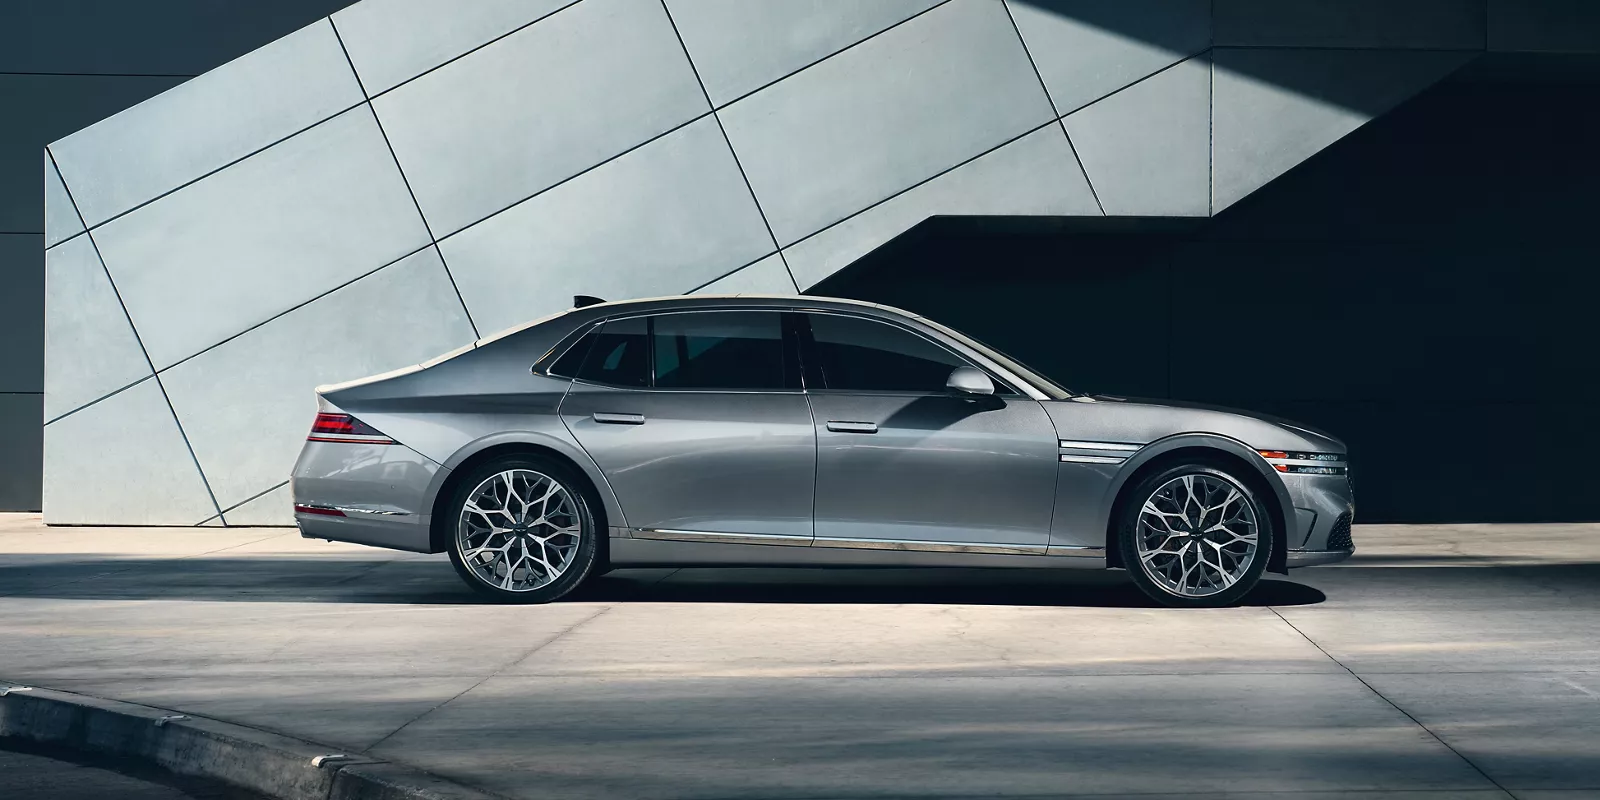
(503, 667)
(1381, 696)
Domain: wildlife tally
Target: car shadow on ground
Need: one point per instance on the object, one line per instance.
(432, 581)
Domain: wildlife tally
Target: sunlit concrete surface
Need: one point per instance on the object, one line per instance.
(1440, 662)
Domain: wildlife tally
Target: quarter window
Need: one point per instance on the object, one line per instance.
(619, 356)
(721, 350)
(859, 355)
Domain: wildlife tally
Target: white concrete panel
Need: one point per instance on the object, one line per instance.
(1033, 176)
(214, 522)
(1087, 49)
(1146, 148)
(392, 41)
(878, 118)
(739, 46)
(538, 107)
(261, 237)
(248, 404)
(1276, 108)
(767, 276)
(122, 461)
(61, 220)
(1544, 26)
(207, 122)
(273, 508)
(1419, 24)
(90, 349)
(660, 220)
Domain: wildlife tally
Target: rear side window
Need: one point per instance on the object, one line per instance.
(571, 362)
(859, 355)
(619, 355)
(722, 350)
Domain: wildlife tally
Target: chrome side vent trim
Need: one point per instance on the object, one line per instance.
(1073, 459)
(1067, 444)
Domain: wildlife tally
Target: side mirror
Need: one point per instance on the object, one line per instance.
(969, 381)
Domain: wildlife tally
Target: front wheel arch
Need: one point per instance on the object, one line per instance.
(1277, 560)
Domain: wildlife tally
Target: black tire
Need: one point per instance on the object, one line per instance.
(583, 559)
(1128, 531)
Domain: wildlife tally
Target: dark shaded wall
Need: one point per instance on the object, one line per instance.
(64, 65)
(1425, 289)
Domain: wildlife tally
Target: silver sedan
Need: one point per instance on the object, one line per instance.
(798, 431)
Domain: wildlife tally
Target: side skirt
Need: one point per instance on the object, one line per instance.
(660, 552)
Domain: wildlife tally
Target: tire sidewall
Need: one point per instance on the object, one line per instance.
(583, 562)
(1128, 529)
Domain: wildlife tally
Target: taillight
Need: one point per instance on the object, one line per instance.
(346, 429)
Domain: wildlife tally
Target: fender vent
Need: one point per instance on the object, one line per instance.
(1339, 537)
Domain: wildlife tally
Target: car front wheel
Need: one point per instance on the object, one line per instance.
(1194, 536)
(522, 530)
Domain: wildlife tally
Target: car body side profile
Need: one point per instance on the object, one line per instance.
(802, 431)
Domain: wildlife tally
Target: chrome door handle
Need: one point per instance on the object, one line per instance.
(617, 419)
(841, 426)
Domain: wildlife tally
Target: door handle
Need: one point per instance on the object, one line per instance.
(841, 426)
(610, 418)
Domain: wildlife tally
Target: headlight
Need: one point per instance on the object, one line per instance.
(1305, 463)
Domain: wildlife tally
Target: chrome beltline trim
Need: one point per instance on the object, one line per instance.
(722, 538)
(1099, 445)
(1092, 459)
(931, 547)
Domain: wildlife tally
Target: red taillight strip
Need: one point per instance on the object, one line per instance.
(322, 510)
(345, 429)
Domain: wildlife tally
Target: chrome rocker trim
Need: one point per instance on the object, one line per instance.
(785, 540)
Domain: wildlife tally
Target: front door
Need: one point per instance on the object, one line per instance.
(903, 461)
(699, 425)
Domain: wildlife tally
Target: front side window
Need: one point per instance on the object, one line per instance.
(861, 355)
(619, 355)
(721, 350)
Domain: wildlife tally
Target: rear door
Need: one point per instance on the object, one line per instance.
(699, 423)
(903, 463)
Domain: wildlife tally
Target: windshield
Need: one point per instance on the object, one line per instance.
(1050, 388)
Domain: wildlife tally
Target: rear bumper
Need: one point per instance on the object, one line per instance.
(1315, 558)
(368, 494)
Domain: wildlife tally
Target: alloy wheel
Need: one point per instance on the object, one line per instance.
(519, 530)
(1197, 535)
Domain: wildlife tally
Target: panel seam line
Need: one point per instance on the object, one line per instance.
(106, 268)
(476, 335)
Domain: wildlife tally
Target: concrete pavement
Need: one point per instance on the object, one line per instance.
(1443, 661)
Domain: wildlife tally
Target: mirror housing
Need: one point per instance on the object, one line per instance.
(969, 381)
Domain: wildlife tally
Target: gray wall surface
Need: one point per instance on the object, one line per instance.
(64, 65)
(407, 175)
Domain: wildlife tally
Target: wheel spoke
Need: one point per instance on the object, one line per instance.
(508, 523)
(1197, 535)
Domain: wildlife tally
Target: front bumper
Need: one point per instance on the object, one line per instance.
(1316, 558)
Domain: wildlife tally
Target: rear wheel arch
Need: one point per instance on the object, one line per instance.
(443, 524)
(1219, 458)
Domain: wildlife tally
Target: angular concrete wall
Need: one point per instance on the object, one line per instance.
(407, 175)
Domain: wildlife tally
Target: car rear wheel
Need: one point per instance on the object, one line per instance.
(522, 530)
(1194, 536)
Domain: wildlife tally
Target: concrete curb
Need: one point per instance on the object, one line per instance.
(268, 763)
